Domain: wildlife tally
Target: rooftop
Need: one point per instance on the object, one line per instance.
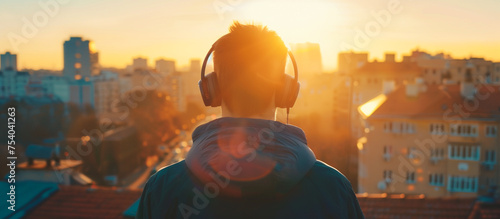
(401, 206)
(42, 164)
(86, 202)
(438, 99)
(388, 68)
(89, 202)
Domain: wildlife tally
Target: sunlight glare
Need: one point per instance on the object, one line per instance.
(369, 107)
(295, 21)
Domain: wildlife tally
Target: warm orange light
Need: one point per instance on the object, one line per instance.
(92, 47)
(78, 65)
(420, 179)
(78, 77)
(85, 138)
(151, 160)
(296, 20)
(411, 187)
(361, 143)
(404, 151)
(369, 107)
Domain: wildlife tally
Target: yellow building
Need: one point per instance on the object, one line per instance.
(436, 140)
(375, 78)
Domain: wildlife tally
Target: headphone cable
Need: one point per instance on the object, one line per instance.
(287, 112)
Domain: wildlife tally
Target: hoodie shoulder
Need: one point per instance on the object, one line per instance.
(335, 190)
(323, 171)
(170, 175)
(162, 191)
(328, 179)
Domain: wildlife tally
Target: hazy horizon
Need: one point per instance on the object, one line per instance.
(180, 30)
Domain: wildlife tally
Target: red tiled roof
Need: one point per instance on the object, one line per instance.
(417, 207)
(82, 202)
(437, 99)
(485, 211)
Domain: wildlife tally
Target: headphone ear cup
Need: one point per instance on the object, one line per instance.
(205, 94)
(287, 93)
(210, 90)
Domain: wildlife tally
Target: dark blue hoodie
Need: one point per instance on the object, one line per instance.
(248, 168)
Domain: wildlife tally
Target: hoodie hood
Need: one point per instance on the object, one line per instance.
(243, 157)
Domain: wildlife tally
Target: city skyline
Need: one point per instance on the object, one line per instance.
(182, 31)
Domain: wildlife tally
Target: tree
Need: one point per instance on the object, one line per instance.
(155, 118)
(81, 121)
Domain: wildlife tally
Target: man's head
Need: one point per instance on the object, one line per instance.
(250, 64)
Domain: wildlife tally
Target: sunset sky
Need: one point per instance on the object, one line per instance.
(184, 29)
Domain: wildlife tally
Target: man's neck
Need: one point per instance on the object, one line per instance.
(267, 115)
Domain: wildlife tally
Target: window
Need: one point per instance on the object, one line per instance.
(463, 152)
(399, 127)
(436, 179)
(412, 153)
(436, 129)
(465, 130)
(462, 184)
(387, 152)
(388, 127)
(491, 131)
(437, 154)
(490, 156)
(388, 176)
(410, 177)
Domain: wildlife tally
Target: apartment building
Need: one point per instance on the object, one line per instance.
(436, 140)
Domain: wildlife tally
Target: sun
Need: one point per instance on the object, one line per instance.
(294, 20)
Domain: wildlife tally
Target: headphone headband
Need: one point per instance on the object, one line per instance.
(295, 70)
(285, 94)
(205, 62)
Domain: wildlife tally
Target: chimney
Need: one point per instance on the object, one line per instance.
(390, 57)
(467, 88)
